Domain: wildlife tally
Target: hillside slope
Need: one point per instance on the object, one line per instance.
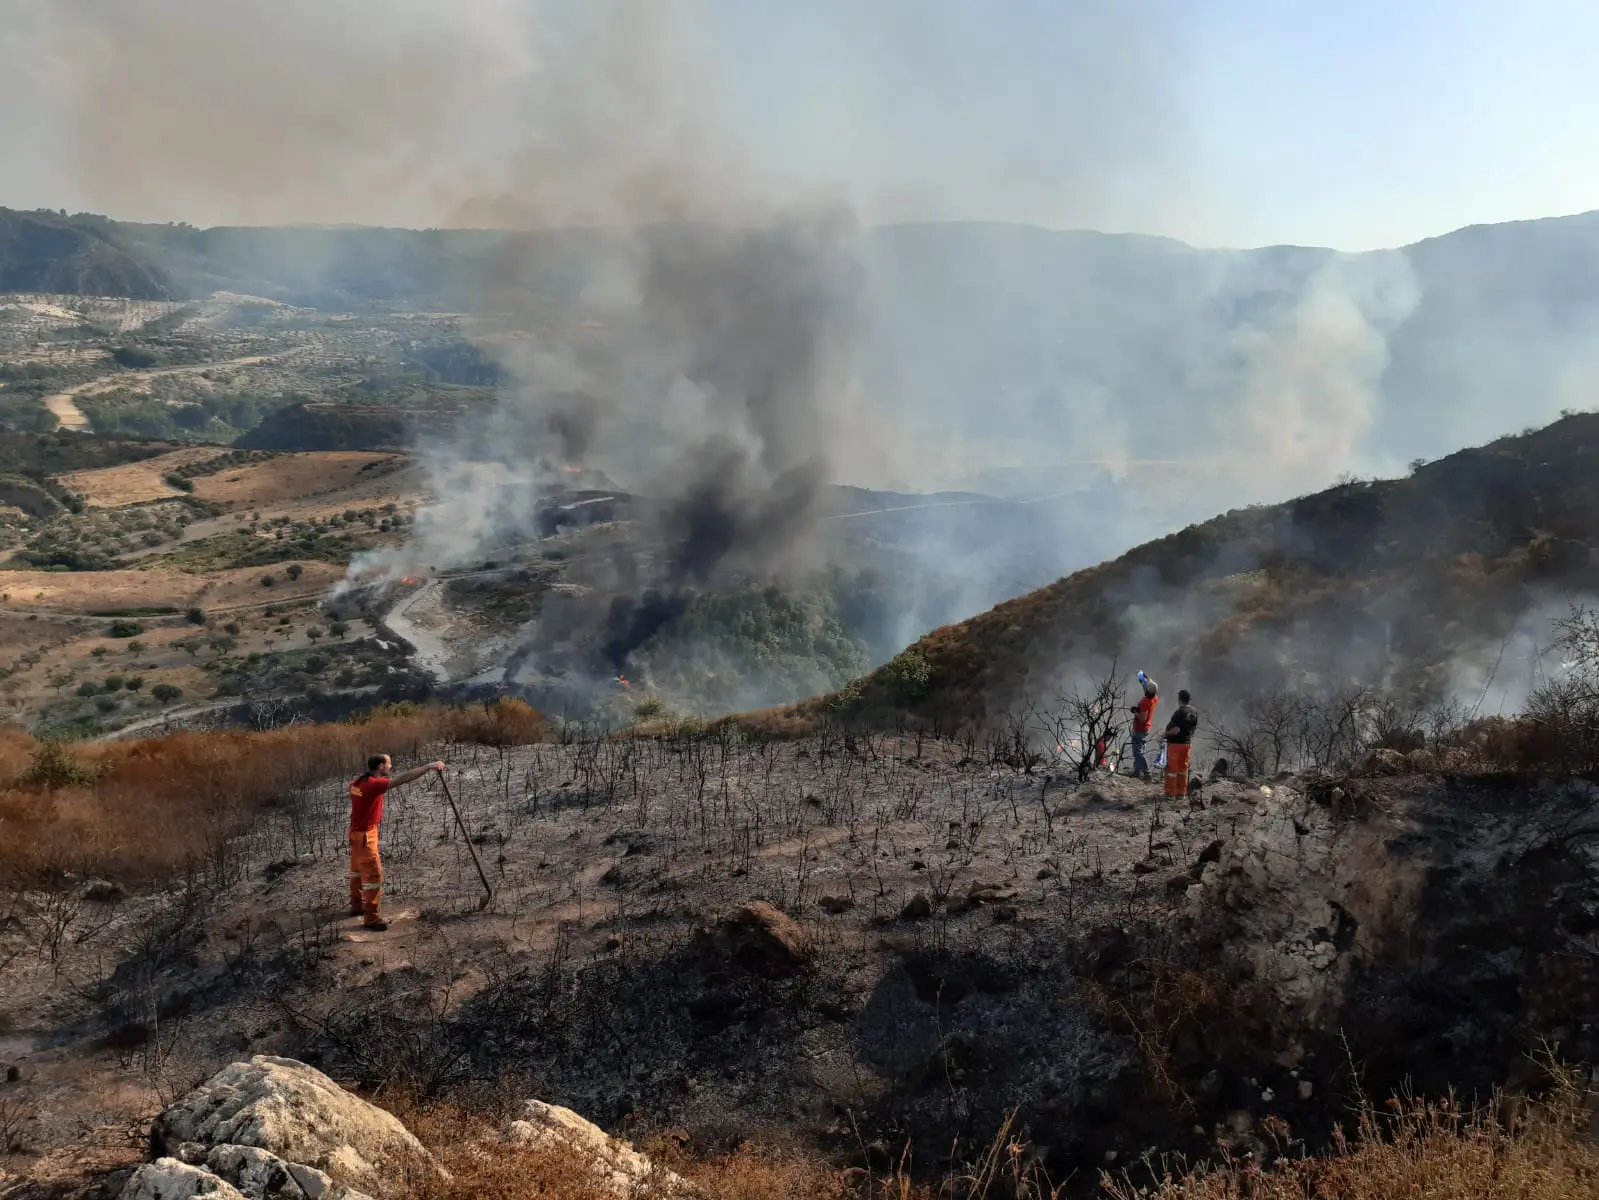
(1421, 585)
(47, 252)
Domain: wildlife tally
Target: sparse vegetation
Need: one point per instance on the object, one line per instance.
(140, 810)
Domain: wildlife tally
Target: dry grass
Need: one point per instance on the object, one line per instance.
(1434, 1150)
(288, 477)
(140, 810)
(106, 591)
(1415, 1149)
(134, 483)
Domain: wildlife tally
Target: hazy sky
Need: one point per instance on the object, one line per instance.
(1356, 123)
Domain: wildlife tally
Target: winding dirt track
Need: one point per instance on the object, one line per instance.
(64, 405)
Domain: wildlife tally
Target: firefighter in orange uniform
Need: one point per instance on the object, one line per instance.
(1179, 743)
(366, 812)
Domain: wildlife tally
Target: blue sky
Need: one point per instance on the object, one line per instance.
(1241, 122)
(1354, 124)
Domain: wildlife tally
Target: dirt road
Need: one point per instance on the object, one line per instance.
(64, 407)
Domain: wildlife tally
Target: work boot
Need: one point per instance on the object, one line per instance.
(377, 926)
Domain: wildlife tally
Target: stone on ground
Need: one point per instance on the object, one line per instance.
(617, 1167)
(169, 1179)
(297, 1114)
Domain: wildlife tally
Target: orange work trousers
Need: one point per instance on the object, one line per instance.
(366, 874)
(1177, 770)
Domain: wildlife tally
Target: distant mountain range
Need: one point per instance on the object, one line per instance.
(1006, 348)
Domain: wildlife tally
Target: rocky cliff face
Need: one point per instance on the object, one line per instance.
(1443, 927)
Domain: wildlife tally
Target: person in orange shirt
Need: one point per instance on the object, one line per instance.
(366, 811)
(1143, 721)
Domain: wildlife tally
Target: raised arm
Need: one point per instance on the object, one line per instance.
(417, 773)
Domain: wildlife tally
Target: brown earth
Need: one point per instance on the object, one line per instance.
(289, 477)
(134, 483)
(106, 591)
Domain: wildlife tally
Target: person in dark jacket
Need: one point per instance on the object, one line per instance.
(1179, 744)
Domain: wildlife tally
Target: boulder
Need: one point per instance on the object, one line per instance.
(298, 1115)
(262, 1175)
(169, 1179)
(618, 1168)
(917, 908)
(763, 939)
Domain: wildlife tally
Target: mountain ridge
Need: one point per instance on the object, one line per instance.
(1416, 586)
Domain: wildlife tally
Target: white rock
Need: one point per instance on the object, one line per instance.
(1306, 1089)
(253, 1171)
(260, 1174)
(169, 1179)
(298, 1114)
(619, 1168)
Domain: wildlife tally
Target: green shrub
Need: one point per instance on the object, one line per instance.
(124, 629)
(907, 675)
(54, 765)
(87, 689)
(166, 693)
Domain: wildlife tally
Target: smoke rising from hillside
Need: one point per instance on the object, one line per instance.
(731, 341)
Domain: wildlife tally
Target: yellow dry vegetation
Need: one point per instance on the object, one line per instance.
(134, 483)
(1434, 1150)
(289, 477)
(141, 810)
(110, 591)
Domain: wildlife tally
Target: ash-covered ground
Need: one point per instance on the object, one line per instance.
(848, 942)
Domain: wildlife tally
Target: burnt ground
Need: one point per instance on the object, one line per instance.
(964, 940)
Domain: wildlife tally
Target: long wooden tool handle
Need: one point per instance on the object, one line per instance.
(470, 849)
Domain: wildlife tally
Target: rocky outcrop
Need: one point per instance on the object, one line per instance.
(273, 1127)
(1431, 926)
(617, 1167)
(172, 1179)
(1302, 894)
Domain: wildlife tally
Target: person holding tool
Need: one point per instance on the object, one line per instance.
(366, 812)
(1143, 721)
